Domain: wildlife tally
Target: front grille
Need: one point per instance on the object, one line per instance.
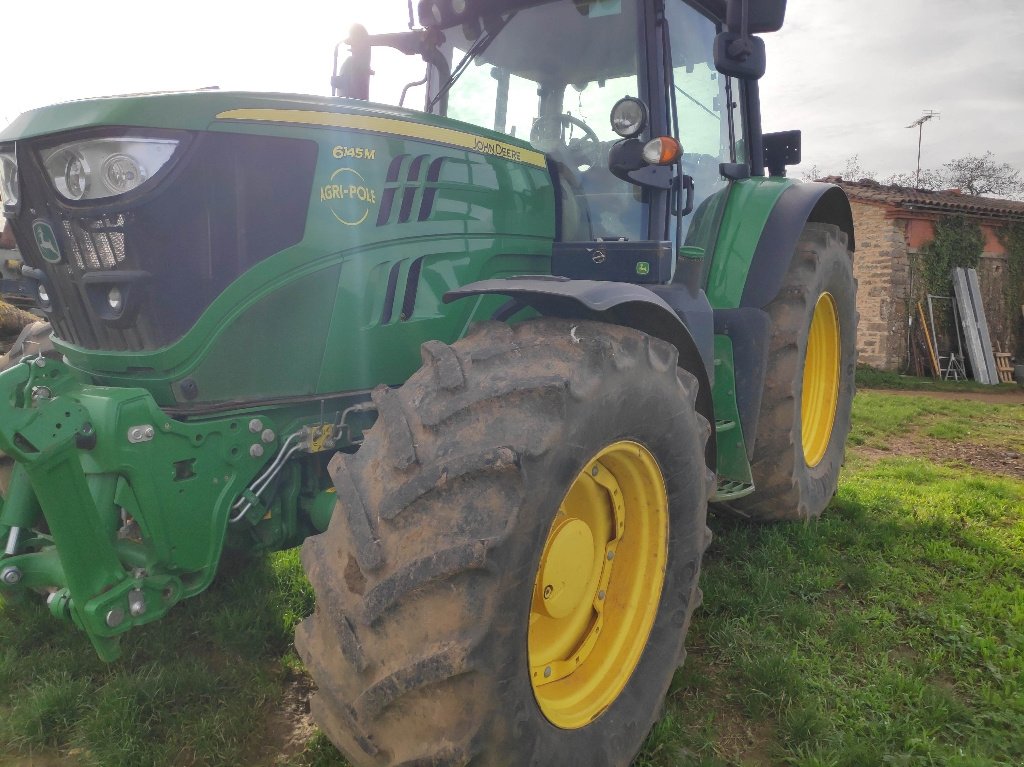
(96, 243)
(231, 201)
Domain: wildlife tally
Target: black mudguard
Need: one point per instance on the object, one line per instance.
(798, 205)
(748, 326)
(749, 330)
(619, 303)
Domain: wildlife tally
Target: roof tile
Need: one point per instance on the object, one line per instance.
(949, 200)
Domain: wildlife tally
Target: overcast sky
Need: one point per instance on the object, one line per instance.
(850, 73)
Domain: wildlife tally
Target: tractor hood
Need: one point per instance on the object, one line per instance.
(170, 237)
(187, 110)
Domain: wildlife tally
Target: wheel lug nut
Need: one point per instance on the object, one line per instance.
(611, 555)
(593, 472)
(547, 672)
(548, 591)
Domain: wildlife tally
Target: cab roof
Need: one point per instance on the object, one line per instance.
(765, 15)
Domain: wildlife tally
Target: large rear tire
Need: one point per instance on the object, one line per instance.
(808, 394)
(513, 562)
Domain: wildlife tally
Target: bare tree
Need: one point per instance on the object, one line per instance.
(852, 171)
(928, 179)
(982, 176)
(971, 174)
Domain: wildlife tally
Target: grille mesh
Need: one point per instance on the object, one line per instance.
(97, 243)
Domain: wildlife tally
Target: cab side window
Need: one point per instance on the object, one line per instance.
(704, 101)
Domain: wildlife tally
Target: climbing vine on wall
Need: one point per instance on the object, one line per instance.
(1013, 240)
(958, 242)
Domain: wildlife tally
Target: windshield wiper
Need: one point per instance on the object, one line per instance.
(475, 50)
(695, 101)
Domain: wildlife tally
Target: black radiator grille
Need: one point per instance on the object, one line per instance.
(231, 201)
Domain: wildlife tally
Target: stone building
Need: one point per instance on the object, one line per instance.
(892, 225)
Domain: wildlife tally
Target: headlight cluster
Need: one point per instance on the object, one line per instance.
(9, 191)
(93, 169)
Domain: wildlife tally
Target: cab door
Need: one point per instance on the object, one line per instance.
(706, 118)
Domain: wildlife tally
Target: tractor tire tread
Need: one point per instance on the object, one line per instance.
(409, 533)
(785, 489)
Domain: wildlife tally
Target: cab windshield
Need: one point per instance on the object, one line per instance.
(550, 74)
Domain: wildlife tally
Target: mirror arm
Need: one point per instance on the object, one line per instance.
(353, 81)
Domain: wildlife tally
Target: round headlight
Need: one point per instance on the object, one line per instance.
(629, 117)
(115, 299)
(76, 176)
(122, 174)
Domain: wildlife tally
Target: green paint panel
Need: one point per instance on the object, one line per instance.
(733, 467)
(120, 486)
(750, 203)
(284, 363)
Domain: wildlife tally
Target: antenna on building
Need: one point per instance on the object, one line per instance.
(919, 124)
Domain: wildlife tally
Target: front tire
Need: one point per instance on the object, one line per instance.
(808, 393)
(457, 585)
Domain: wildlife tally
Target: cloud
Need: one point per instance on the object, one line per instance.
(852, 74)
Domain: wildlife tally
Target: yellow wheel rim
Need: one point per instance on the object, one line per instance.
(821, 380)
(598, 584)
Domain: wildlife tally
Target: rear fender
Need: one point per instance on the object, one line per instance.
(759, 231)
(616, 303)
(797, 206)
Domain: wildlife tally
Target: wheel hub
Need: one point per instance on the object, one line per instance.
(821, 380)
(598, 584)
(566, 566)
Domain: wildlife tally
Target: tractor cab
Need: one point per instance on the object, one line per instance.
(552, 74)
(637, 121)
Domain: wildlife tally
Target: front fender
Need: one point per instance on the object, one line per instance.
(616, 303)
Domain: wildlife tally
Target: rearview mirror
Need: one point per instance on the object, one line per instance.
(739, 56)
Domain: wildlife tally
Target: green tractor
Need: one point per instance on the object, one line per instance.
(488, 363)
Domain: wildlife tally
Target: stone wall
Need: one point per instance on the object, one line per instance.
(887, 290)
(1003, 322)
(881, 268)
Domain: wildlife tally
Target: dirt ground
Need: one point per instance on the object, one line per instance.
(996, 397)
(992, 460)
(1004, 462)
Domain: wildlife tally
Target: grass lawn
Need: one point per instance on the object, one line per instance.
(890, 632)
(871, 378)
